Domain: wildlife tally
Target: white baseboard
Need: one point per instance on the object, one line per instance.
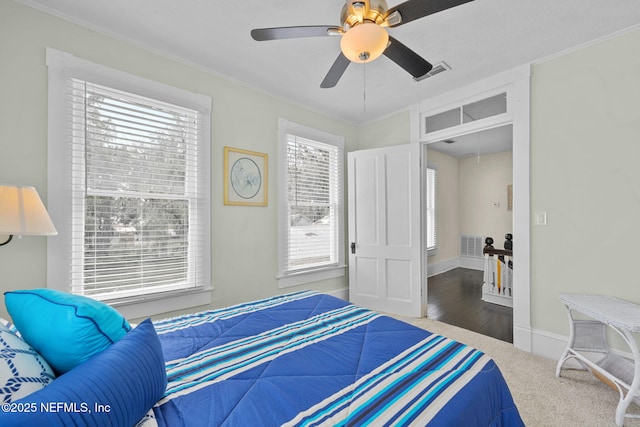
(552, 346)
(449, 264)
(522, 338)
(542, 343)
(503, 300)
(548, 344)
(342, 293)
(441, 267)
(472, 263)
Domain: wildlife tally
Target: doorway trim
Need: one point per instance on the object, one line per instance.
(516, 83)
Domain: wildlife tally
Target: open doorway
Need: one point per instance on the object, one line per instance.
(470, 200)
(449, 110)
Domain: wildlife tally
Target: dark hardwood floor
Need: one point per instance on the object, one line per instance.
(455, 298)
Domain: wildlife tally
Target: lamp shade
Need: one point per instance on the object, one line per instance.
(364, 42)
(22, 213)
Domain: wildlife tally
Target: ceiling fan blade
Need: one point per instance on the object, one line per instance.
(278, 33)
(335, 72)
(416, 9)
(413, 63)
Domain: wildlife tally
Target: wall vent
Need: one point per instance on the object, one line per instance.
(438, 68)
(471, 246)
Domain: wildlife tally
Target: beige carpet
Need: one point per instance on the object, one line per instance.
(575, 399)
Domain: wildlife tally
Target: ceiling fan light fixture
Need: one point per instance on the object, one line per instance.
(364, 42)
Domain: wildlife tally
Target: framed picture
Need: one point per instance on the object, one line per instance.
(245, 177)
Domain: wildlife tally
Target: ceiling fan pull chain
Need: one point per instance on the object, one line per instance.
(364, 87)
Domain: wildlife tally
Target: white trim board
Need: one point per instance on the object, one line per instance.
(460, 262)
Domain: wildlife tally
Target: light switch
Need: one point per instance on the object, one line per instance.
(541, 218)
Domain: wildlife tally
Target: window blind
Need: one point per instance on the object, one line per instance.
(314, 201)
(135, 194)
(432, 223)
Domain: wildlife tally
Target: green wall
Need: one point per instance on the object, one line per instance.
(243, 238)
(390, 130)
(585, 149)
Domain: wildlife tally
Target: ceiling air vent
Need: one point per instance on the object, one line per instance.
(438, 68)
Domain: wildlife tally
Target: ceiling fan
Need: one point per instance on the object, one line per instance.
(363, 34)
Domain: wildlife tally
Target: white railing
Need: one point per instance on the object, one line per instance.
(497, 285)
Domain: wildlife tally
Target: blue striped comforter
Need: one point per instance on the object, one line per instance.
(308, 359)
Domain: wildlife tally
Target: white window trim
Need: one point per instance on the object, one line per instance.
(433, 251)
(285, 279)
(62, 65)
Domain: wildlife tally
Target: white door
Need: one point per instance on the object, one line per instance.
(385, 248)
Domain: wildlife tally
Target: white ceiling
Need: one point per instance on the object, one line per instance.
(478, 39)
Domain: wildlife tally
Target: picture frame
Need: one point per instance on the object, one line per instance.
(245, 177)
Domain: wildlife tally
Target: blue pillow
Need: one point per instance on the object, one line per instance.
(65, 329)
(116, 387)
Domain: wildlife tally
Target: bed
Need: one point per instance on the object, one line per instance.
(300, 359)
(313, 359)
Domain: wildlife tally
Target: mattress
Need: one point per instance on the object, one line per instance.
(310, 359)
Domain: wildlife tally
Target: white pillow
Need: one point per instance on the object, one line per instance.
(22, 370)
(10, 326)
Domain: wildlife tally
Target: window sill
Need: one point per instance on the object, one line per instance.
(163, 303)
(303, 277)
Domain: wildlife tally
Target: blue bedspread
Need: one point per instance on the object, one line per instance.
(312, 359)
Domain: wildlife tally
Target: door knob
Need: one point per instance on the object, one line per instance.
(353, 247)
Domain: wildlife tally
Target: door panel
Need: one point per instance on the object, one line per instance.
(398, 176)
(399, 280)
(366, 273)
(366, 216)
(385, 272)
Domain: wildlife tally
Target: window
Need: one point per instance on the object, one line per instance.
(129, 158)
(432, 224)
(485, 108)
(311, 212)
